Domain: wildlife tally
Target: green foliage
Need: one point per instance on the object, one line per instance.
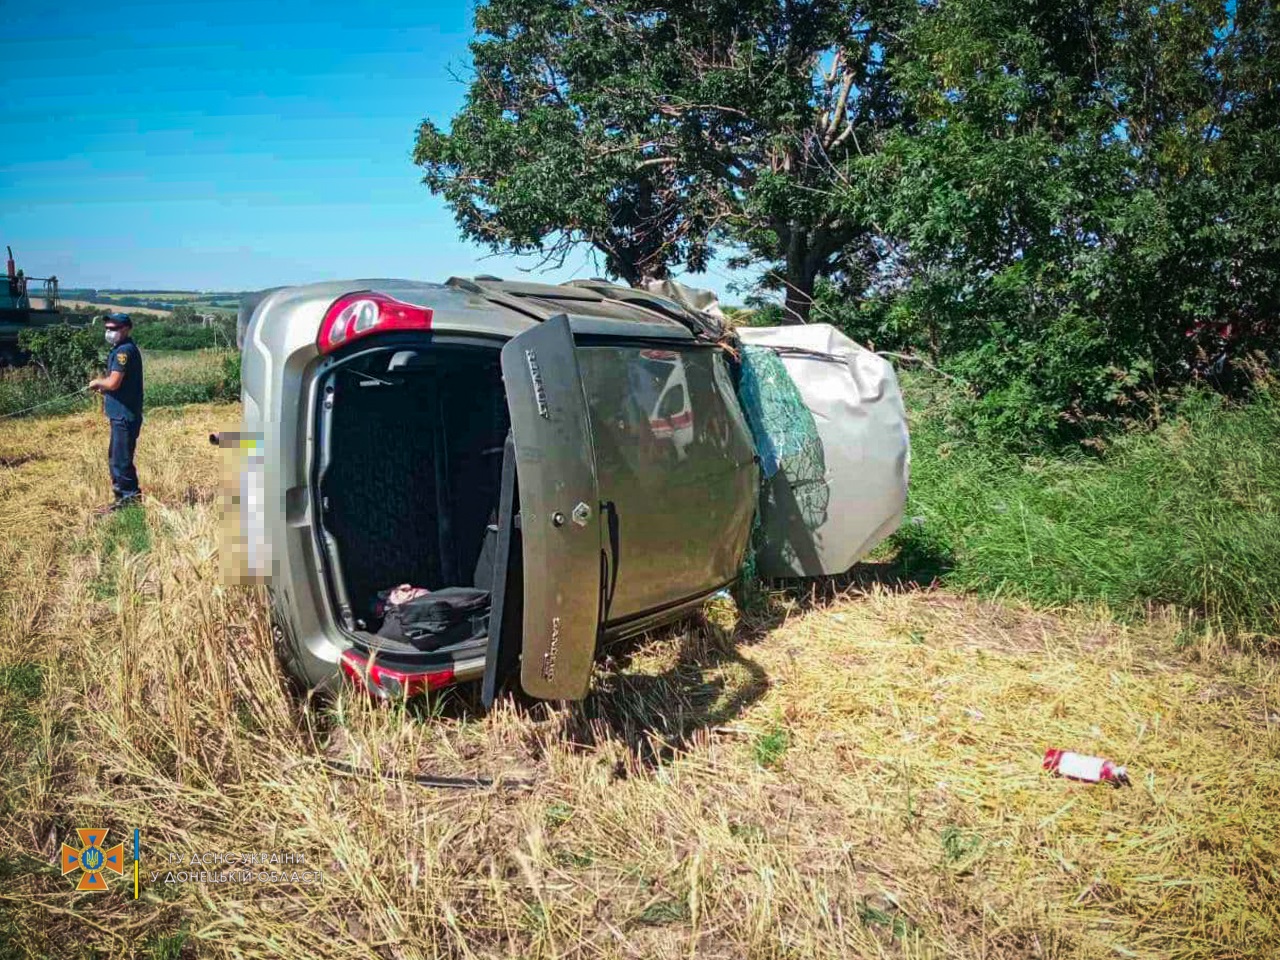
(177, 393)
(24, 681)
(184, 314)
(179, 378)
(885, 916)
(68, 356)
(557, 143)
(230, 387)
(1085, 213)
(1074, 208)
(27, 388)
(558, 812)
(21, 685)
(1187, 514)
(959, 845)
(181, 333)
(124, 533)
(662, 912)
(167, 946)
(650, 133)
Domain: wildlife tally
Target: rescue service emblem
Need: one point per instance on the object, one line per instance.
(91, 858)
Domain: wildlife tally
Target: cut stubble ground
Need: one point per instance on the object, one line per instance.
(836, 777)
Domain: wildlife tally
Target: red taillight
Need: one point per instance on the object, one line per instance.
(359, 314)
(387, 682)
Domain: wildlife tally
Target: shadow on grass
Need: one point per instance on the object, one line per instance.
(709, 683)
(656, 715)
(712, 682)
(912, 563)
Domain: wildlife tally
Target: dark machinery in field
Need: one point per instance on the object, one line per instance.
(18, 312)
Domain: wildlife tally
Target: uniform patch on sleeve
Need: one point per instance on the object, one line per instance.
(122, 358)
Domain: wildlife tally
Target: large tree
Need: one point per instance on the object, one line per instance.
(1084, 213)
(811, 99)
(652, 131)
(562, 140)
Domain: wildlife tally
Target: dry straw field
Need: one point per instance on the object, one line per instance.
(852, 775)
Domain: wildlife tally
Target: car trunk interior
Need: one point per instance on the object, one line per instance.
(410, 472)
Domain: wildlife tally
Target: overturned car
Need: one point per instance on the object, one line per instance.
(486, 480)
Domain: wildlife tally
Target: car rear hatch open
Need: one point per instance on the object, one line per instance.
(559, 510)
(410, 433)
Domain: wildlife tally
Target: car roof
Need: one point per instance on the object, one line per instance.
(506, 308)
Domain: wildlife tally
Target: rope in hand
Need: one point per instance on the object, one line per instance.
(45, 403)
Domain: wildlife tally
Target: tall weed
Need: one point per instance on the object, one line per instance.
(1187, 514)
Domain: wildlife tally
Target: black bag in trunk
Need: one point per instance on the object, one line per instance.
(443, 617)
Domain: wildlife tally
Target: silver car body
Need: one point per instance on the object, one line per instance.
(684, 526)
(866, 454)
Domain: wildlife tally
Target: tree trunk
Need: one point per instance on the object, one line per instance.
(639, 242)
(638, 274)
(799, 298)
(802, 263)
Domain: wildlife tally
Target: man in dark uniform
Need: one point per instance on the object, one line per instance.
(121, 391)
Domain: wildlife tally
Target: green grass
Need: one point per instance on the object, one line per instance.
(559, 813)
(1185, 515)
(663, 912)
(20, 686)
(23, 388)
(874, 916)
(21, 680)
(959, 845)
(124, 533)
(166, 946)
(173, 378)
(769, 746)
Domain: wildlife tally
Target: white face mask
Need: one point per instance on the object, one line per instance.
(114, 337)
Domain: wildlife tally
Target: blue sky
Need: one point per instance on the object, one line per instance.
(231, 145)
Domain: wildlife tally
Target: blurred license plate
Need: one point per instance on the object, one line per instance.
(243, 550)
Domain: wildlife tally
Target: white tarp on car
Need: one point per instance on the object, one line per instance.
(825, 522)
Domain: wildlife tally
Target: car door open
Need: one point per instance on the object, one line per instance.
(559, 510)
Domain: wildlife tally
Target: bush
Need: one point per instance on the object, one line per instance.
(1187, 514)
(67, 356)
(1079, 255)
(161, 334)
(231, 375)
(173, 379)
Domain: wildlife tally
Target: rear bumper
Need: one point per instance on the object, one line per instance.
(390, 682)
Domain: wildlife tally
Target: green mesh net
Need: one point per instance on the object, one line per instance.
(786, 440)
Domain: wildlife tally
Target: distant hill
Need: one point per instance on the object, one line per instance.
(161, 301)
(82, 305)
